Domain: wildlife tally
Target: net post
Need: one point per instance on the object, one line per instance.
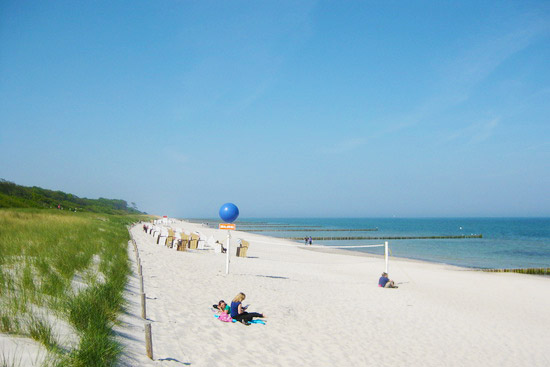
(386, 258)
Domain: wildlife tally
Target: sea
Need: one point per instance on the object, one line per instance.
(505, 243)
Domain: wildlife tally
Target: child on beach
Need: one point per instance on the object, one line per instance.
(223, 307)
(238, 311)
(223, 311)
(385, 282)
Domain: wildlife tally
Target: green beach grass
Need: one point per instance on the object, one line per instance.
(69, 269)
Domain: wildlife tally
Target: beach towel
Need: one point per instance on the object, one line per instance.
(262, 322)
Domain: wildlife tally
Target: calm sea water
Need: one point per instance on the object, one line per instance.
(506, 242)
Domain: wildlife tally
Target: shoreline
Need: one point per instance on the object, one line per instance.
(403, 258)
(507, 243)
(350, 252)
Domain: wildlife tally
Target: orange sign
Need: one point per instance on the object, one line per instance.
(227, 226)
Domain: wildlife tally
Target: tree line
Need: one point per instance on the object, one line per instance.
(17, 196)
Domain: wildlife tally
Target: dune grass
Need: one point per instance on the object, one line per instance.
(68, 268)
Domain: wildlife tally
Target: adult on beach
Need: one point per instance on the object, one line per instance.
(238, 311)
(386, 282)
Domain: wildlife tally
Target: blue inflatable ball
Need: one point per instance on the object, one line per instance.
(229, 212)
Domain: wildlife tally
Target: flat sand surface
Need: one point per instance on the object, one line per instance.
(325, 309)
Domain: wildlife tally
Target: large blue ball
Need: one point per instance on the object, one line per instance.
(229, 212)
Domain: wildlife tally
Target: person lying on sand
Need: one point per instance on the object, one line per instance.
(385, 282)
(223, 311)
(238, 311)
(222, 307)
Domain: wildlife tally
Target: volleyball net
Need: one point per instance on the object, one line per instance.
(385, 245)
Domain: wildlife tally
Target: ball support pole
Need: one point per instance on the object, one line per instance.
(227, 252)
(228, 213)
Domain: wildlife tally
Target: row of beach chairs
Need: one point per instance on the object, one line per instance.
(181, 241)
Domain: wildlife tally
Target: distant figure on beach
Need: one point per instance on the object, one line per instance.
(238, 311)
(386, 282)
(223, 249)
(310, 240)
(306, 240)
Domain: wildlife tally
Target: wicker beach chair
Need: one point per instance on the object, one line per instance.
(170, 239)
(194, 241)
(184, 242)
(243, 248)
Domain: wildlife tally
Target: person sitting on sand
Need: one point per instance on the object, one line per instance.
(238, 311)
(385, 282)
(223, 249)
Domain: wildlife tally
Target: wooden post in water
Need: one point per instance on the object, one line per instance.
(148, 341)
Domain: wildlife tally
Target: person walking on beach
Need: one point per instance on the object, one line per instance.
(238, 311)
(385, 282)
(310, 240)
(305, 240)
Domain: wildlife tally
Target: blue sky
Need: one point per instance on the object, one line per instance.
(298, 108)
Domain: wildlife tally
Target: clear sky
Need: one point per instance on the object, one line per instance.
(286, 108)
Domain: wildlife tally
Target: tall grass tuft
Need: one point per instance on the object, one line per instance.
(9, 324)
(96, 350)
(41, 331)
(94, 308)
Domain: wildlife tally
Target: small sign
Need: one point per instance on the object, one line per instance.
(227, 226)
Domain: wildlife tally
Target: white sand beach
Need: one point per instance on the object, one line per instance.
(325, 309)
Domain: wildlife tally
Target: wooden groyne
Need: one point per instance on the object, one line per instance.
(311, 229)
(387, 238)
(536, 271)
